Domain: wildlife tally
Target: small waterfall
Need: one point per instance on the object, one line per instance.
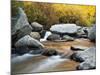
(46, 35)
(48, 63)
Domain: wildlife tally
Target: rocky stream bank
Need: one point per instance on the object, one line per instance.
(61, 48)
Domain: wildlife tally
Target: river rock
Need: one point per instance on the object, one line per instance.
(21, 21)
(13, 22)
(87, 64)
(92, 33)
(20, 26)
(42, 33)
(37, 27)
(37, 51)
(64, 28)
(35, 35)
(83, 32)
(67, 38)
(20, 50)
(78, 48)
(53, 37)
(28, 41)
(88, 54)
(49, 52)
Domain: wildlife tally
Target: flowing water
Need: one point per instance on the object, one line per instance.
(46, 35)
(29, 63)
(32, 64)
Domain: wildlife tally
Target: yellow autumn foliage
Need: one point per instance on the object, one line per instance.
(52, 13)
(81, 14)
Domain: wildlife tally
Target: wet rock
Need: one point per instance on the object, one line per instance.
(49, 52)
(78, 48)
(35, 35)
(67, 38)
(65, 28)
(20, 26)
(92, 33)
(28, 41)
(53, 37)
(83, 32)
(37, 27)
(42, 33)
(20, 50)
(75, 57)
(87, 64)
(88, 54)
(37, 51)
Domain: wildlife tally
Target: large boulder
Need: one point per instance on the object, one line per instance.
(88, 54)
(35, 35)
(20, 21)
(28, 41)
(53, 37)
(88, 64)
(64, 28)
(36, 27)
(92, 33)
(20, 26)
